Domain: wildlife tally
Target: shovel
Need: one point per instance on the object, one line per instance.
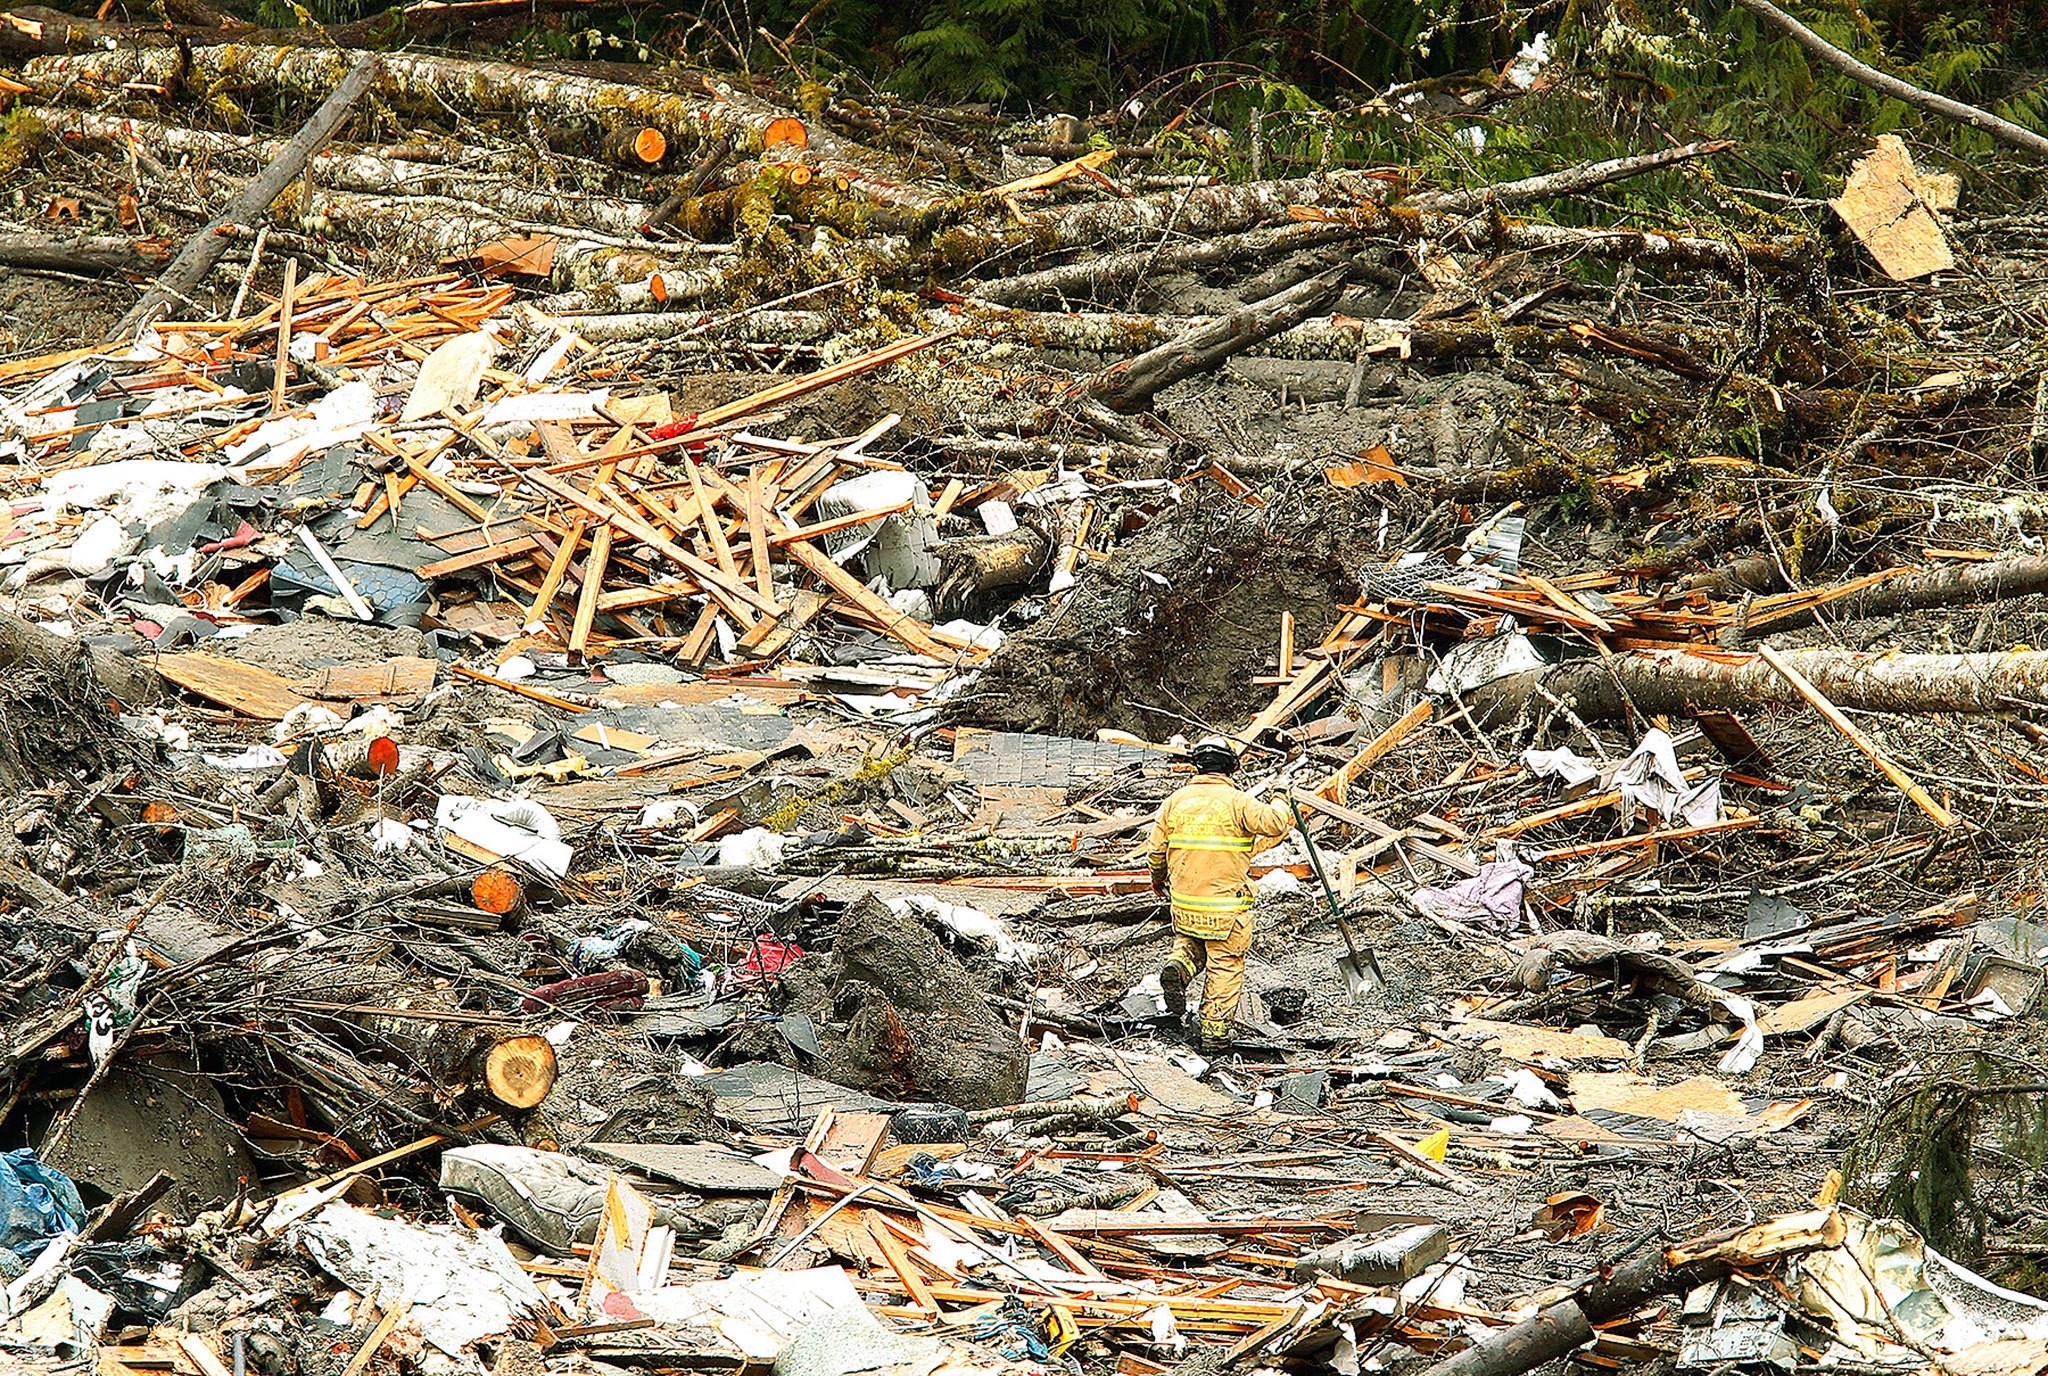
(1360, 967)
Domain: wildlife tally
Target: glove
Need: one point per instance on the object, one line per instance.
(1159, 882)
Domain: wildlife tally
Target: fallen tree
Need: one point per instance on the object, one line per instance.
(1677, 680)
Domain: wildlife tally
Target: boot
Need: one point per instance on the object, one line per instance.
(1173, 985)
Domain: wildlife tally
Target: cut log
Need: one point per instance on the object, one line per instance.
(983, 563)
(518, 1071)
(436, 84)
(204, 249)
(1672, 681)
(81, 254)
(1130, 387)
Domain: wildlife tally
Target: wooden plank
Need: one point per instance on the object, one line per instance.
(593, 583)
(757, 532)
(377, 1337)
(707, 518)
(551, 583)
(899, 1261)
(1338, 785)
(284, 335)
(405, 678)
(515, 548)
(905, 630)
(713, 580)
(768, 639)
(1922, 799)
(251, 691)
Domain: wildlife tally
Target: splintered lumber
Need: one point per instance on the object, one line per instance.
(1338, 786)
(905, 630)
(551, 581)
(593, 581)
(728, 590)
(251, 204)
(824, 377)
(1922, 799)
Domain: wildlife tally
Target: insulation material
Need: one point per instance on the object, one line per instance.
(896, 550)
(460, 1286)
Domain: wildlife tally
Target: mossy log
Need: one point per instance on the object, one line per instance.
(433, 85)
(1129, 387)
(363, 172)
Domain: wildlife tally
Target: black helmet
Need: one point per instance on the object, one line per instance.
(1214, 755)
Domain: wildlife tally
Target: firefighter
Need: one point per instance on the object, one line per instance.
(1201, 853)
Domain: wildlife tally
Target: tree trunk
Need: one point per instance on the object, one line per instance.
(82, 253)
(1952, 585)
(1129, 387)
(1097, 273)
(436, 84)
(984, 563)
(204, 249)
(1674, 680)
(365, 172)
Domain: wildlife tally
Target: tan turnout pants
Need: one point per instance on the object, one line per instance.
(1224, 961)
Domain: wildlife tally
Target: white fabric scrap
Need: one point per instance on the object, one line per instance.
(515, 828)
(1650, 777)
(1491, 898)
(1563, 764)
(1749, 1044)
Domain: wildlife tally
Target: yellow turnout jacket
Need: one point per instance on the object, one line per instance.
(1203, 841)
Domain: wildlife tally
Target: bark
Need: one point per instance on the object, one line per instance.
(444, 227)
(81, 253)
(1953, 585)
(984, 563)
(1673, 681)
(366, 173)
(1130, 387)
(1097, 273)
(1203, 213)
(1559, 1329)
(204, 249)
(1568, 181)
(433, 85)
(1826, 53)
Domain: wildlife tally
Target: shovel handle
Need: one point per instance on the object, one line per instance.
(1315, 863)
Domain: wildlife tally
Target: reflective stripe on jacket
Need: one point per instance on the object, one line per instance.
(1203, 841)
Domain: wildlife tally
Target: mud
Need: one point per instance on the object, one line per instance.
(1170, 633)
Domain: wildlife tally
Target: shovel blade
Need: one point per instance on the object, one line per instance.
(1359, 979)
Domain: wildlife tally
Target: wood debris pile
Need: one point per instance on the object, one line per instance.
(591, 654)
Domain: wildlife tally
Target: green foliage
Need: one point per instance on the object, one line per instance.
(1952, 1150)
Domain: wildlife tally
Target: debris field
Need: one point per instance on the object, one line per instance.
(582, 709)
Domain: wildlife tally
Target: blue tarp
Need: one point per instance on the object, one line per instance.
(37, 1202)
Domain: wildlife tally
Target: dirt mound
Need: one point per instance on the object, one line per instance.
(915, 1024)
(1169, 634)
